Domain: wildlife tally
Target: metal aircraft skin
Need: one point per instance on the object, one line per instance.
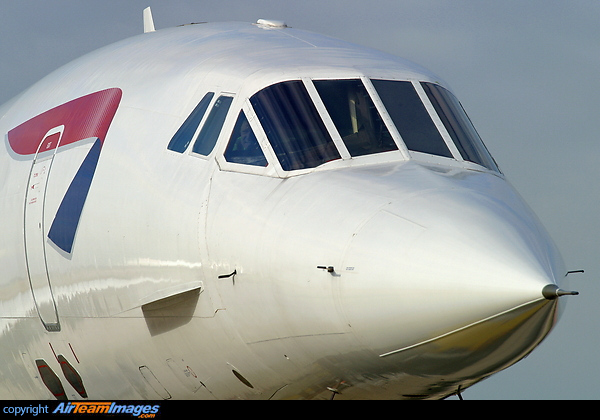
(251, 211)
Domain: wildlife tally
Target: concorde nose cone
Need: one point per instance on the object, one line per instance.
(552, 291)
(448, 263)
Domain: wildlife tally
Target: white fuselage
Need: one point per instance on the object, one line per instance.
(396, 274)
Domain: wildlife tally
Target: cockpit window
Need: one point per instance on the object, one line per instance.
(293, 126)
(355, 116)
(209, 133)
(411, 118)
(459, 126)
(183, 137)
(243, 146)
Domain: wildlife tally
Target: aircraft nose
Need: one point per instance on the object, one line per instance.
(552, 291)
(456, 274)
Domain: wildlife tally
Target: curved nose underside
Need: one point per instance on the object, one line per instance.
(454, 361)
(451, 284)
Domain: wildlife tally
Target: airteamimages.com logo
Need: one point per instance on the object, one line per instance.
(141, 411)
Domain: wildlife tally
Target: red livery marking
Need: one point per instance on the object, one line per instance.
(87, 117)
(82, 118)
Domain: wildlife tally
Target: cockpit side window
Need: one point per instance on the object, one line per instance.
(206, 140)
(459, 126)
(410, 117)
(243, 146)
(183, 137)
(355, 116)
(293, 126)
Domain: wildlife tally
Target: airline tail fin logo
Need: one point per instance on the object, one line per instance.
(83, 118)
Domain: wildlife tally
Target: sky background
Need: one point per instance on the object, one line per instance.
(526, 71)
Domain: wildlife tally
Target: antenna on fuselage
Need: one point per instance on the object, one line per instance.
(148, 21)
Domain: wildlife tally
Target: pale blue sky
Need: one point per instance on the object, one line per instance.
(526, 71)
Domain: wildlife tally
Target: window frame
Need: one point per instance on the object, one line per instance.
(187, 121)
(309, 89)
(274, 167)
(426, 112)
(438, 124)
(231, 142)
(379, 107)
(325, 117)
(224, 125)
(479, 148)
(240, 102)
(271, 169)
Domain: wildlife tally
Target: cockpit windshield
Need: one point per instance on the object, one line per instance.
(301, 139)
(459, 126)
(243, 146)
(411, 118)
(357, 120)
(349, 118)
(293, 126)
